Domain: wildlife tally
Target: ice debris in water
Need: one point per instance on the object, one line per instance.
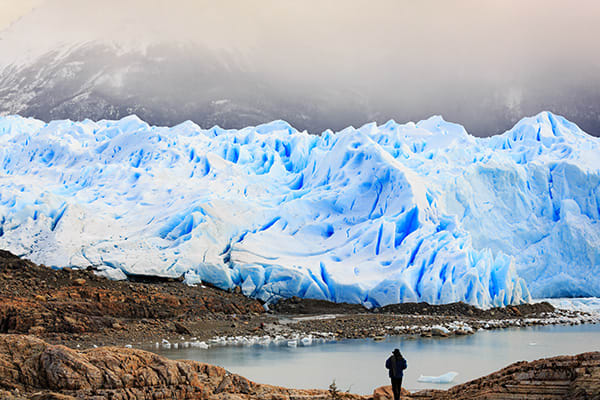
(376, 215)
(446, 378)
(590, 305)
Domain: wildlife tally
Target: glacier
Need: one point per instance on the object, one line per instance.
(377, 215)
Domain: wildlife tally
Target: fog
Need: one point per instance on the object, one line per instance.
(484, 64)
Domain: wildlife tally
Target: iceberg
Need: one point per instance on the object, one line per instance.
(377, 215)
(445, 378)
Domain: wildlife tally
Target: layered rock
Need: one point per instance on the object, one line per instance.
(563, 377)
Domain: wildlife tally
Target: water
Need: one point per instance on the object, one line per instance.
(358, 365)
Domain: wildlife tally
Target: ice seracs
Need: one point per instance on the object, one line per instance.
(376, 215)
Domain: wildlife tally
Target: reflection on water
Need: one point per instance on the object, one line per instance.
(358, 365)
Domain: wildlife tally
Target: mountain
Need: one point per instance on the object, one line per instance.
(168, 83)
(165, 84)
(377, 215)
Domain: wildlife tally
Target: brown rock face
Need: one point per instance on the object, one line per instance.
(564, 377)
(38, 300)
(385, 393)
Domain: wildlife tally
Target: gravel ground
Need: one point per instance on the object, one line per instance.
(80, 309)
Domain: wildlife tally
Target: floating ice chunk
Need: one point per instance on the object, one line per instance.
(278, 340)
(445, 378)
(307, 340)
(265, 340)
(440, 329)
(199, 345)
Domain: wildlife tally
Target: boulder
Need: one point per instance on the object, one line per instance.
(385, 393)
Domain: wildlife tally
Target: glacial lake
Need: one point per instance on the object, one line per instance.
(357, 365)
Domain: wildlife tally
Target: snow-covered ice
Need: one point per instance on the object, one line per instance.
(376, 215)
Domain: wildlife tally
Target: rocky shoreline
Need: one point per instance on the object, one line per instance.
(79, 309)
(306, 330)
(49, 317)
(33, 369)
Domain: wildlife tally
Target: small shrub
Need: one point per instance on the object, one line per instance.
(334, 392)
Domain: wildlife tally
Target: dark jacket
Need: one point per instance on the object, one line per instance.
(396, 365)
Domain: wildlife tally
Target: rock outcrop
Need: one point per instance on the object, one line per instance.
(64, 305)
(564, 377)
(386, 393)
(33, 368)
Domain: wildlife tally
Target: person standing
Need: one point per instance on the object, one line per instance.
(396, 364)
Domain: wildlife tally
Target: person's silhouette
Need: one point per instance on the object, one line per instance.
(396, 364)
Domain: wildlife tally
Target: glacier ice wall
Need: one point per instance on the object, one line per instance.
(376, 215)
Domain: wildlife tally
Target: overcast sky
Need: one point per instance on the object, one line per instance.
(401, 53)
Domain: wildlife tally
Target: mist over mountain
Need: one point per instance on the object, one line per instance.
(170, 83)
(165, 85)
(318, 66)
